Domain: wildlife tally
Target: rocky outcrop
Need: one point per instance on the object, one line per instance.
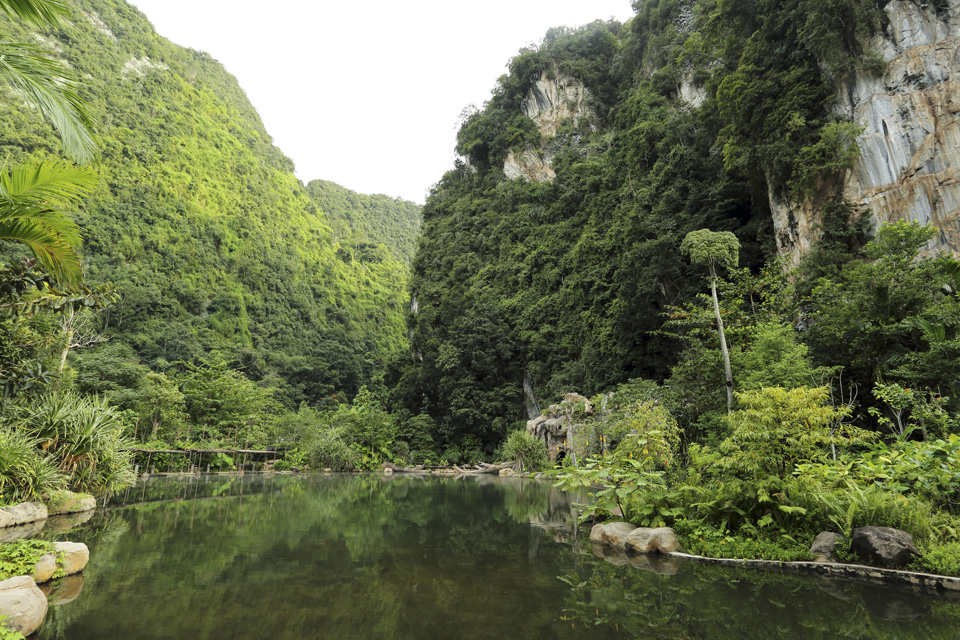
(888, 547)
(909, 165)
(22, 513)
(23, 604)
(557, 425)
(553, 99)
(530, 164)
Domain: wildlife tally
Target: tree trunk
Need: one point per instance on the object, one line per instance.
(723, 341)
(68, 326)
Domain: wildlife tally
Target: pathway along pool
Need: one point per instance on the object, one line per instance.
(343, 557)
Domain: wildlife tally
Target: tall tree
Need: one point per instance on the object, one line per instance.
(715, 249)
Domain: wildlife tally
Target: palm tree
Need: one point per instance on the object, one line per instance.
(30, 194)
(29, 212)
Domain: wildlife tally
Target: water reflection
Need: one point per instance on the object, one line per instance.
(412, 557)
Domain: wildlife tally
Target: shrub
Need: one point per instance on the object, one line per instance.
(852, 506)
(713, 543)
(529, 452)
(778, 428)
(18, 558)
(944, 560)
(927, 469)
(329, 451)
(24, 472)
(83, 437)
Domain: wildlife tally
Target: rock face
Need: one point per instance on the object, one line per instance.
(909, 166)
(554, 427)
(825, 545)
(23, 603)
(22, 513)
(553, 98)
(883, 545)
(645, 540)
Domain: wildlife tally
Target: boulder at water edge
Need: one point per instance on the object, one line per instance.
(825, 546)
(75, 556)
(22, 513)
(44, 569)
(646, 540)
(611, 533)
(885, 546)
(69, 502)
(23, 604)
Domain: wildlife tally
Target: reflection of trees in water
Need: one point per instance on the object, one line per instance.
(617, 595)
(356, 555)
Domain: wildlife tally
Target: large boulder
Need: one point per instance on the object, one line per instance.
(64, 502)
(825, 546)
(23, 604)
(22, 513)
(883, 545)
(647, 540)
(75, 556)
(611, 533)
(44, 569)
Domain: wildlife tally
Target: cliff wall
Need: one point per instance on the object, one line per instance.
(909, 165)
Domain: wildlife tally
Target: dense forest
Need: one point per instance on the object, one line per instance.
(568, 283)
(210, 242)
(746, 401)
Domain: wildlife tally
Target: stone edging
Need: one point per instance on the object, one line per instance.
(943, 584)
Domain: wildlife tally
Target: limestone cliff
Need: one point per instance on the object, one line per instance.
(552, 99)
(909, 165)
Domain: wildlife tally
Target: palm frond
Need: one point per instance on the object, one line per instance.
(53, 88)
(36, 12)
(56, 180)
(55, 221)
(48, 247)
(952, 269)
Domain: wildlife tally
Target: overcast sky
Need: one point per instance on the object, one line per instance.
(368, 94)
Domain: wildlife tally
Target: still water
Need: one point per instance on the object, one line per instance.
(343, 557)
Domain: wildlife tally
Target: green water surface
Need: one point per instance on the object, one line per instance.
(343, 557)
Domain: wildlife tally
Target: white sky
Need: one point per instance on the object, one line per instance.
(368, 94)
